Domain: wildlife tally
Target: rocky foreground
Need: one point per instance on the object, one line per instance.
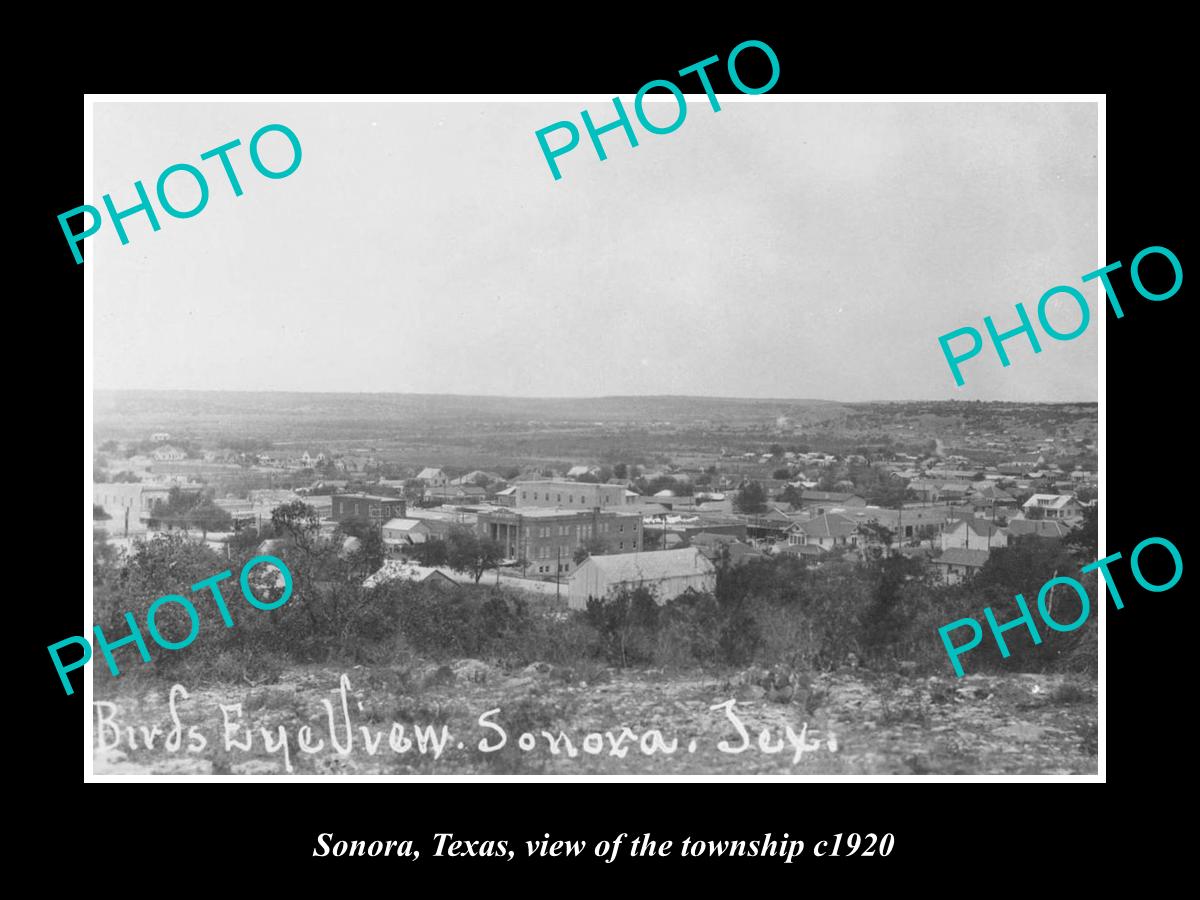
(471, 718)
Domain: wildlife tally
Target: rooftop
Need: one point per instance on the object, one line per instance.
(957, 556)
(650, 566)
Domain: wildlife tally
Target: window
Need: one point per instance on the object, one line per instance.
(621, 545)
(560, 498)
(535, 495)
(524, 495)
(570, 498)
(621, 528)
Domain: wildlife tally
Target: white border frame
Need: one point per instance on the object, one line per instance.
(90, 100)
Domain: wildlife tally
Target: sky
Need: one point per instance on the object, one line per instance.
(772, 249)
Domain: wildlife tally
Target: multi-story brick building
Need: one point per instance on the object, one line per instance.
(573, 495)
(377, 509)
(547, 538)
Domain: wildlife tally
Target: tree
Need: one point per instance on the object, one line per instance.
(1084, 541)
(298, 521)
(467, 552)
(876, 537)
(620, 470)
(590, 547)
(776, 450)
(370, 537)
(207, 516)
(174, 510)
(627, 623)
(98, 513)
(782, 474)
(752, 498)
(793, 495)
(432, 552)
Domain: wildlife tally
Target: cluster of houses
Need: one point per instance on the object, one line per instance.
(570, 534)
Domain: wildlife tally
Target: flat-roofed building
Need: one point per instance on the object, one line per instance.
(373, 507)
(547, 538)
(573, 495)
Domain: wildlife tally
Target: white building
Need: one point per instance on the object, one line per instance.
(667, 573)
(1051, 506)
(395, 570)
(973, 534)
(399, 533)
(573, 495)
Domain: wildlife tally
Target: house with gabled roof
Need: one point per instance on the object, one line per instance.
(973, 534)
(1051, 506)
(666, 573)
(828, 531)
(1045, 528)
(957, 564)
(821, 502)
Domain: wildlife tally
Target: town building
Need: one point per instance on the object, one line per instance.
(397, 570)
(128, 505)
(725, 549)
(1045, 528)
(401, 533)
(957, 564)
(167, 453)
(376, 509)
(821, 502)
(547, 538)
(573, 495)
(827, 531)
(666, 573)
(989, 500)
(973, 534)
(1051, 506)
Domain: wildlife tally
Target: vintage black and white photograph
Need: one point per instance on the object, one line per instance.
(412, 458)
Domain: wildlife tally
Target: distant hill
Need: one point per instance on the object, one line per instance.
(130, 413)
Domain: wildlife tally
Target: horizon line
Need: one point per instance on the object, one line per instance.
(571, 396)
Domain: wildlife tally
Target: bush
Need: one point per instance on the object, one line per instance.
(774, 611)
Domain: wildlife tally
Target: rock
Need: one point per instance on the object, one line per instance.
(1021, 731)
(258, 767)
(439, 675)
(473, 670)
(538, 668)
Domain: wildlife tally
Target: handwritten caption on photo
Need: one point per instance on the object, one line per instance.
(1026, 327)
(428, 739)
(446, 845)
(135, 635)
(1085, 604)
